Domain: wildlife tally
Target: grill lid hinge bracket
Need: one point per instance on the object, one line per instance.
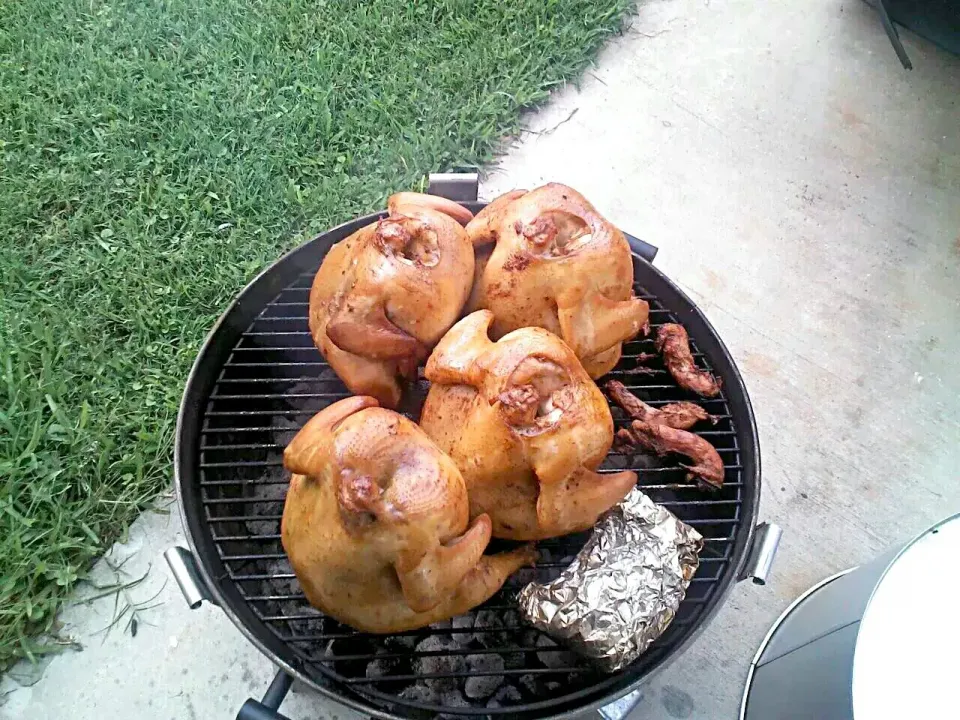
(456, 186)
(184, 568)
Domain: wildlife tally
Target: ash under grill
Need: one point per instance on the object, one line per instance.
(486, 662)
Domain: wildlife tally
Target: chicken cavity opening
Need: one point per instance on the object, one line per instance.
(534, 399)
(408, 240)
(555, 233)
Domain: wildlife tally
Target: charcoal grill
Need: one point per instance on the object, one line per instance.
(258, 378)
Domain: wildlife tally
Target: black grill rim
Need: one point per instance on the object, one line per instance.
(262, 290)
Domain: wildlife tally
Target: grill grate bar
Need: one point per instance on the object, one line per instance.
(646, 487)
(466, 674)
(276, 379)
(325, 637)
(435, 653)
(301, 597)
(286, 396)
(270, 381)
(665, 503)
(354, 634)
(305, 363)
(290, 575)
(279, 463)
(290, 412)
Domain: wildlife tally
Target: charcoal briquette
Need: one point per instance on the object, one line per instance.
(432, 664)
(529, 637)
(488, 633)
(505, 696)
(481, 686)
(452, 699)
(380, 667)
(400, 643)
(420, 692)
(554, 658)
(462, 622)
(514, 660)
(530, 684)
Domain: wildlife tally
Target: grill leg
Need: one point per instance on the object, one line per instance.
(267, 708)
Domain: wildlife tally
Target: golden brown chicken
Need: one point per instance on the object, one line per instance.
(557, 264)
(375, 523)
(384, 296)
(526, 426)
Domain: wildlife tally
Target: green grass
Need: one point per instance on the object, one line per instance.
(131, 133)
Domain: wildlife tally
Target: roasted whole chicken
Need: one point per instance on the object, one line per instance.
(526, 426)
(376, 523)
(547, 258)
(384, 296)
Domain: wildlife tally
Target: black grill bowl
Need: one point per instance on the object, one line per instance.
(258, 378)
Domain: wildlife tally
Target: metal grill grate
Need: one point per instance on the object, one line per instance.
(275, 379)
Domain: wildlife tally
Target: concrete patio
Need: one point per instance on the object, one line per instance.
(805, 191)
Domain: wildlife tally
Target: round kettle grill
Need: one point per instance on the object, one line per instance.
(259, 378)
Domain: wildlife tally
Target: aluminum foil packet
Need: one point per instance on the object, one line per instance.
(624, 587)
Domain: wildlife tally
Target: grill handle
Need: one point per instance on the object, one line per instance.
(464, 186)
(266, 709)
(619, 709)
(184, 570)
(766, 541)
(456, 186)
(644, 249)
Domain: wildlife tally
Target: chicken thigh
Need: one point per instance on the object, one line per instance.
(526, 426)
(384, 296)
(556, 263)
(376, 523)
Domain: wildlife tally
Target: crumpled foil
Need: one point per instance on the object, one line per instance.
(624, 587)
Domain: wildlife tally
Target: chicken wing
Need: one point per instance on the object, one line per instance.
(526, 426)
(376, 523)
(384, 296)
(557, 264)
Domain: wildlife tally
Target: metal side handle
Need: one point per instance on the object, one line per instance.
(619, 709)
(644, 249)
(456, 186)
(185, 572)
(766, 541)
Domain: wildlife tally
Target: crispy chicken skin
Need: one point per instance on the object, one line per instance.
(556, 263)
(526, 426)
(384, 296)
(376, 523)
